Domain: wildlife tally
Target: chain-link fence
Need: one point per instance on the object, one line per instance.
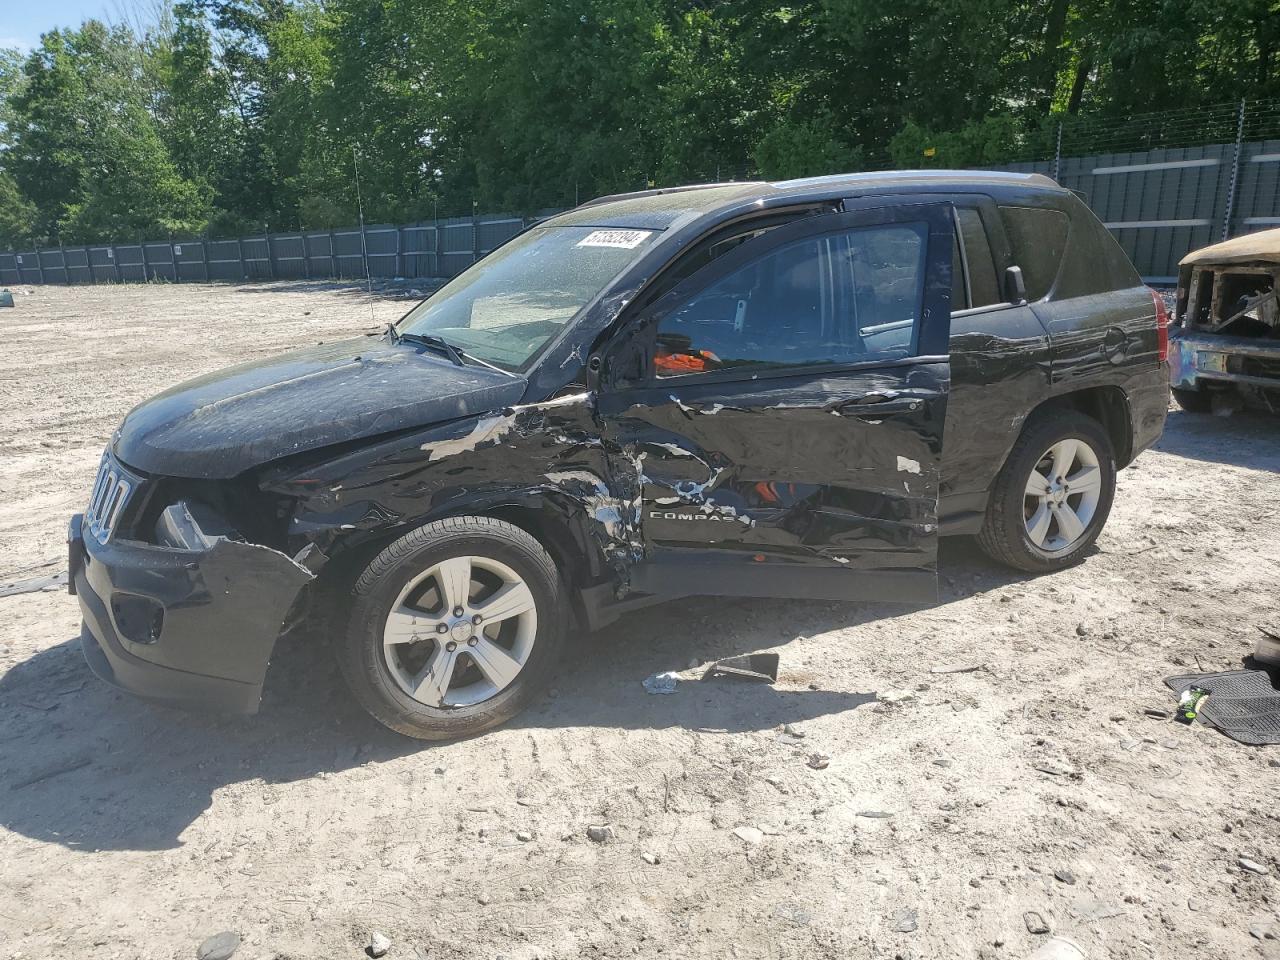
(1163, 183)
(1166, 184)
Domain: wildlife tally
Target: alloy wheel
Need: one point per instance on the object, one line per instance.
(460, 632)
(1062, 495)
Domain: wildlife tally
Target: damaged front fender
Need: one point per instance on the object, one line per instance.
(539, 454)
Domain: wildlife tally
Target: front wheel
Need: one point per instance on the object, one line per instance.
(455, 628)
(1053, 496)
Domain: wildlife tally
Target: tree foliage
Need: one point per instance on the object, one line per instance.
(224, 116)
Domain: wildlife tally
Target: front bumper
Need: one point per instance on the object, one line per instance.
(186, 627)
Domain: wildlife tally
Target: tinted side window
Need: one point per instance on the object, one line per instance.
(983, 284)
(847, 296)
(1039, 239)
(1095, 262)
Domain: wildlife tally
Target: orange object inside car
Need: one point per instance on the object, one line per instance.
(672, 363)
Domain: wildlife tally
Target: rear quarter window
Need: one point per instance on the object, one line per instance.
(1095, 261)
(1038, 236)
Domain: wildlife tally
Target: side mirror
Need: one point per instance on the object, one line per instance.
(1015, 288)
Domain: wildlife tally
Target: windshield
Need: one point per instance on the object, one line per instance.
(508, 306)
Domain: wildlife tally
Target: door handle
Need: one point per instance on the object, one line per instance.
(877, 405)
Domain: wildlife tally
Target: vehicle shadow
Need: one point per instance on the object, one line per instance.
(90, 768)
(1246, 439)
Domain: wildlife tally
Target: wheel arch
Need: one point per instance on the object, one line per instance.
(554, 520)
(1109, 405)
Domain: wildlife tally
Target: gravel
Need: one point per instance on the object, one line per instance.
(277, 826)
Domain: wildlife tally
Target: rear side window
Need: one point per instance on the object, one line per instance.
(841, 297)
(983, 286)
(1038, 237)
(1095, 263)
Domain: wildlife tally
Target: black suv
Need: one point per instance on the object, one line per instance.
(750, 389)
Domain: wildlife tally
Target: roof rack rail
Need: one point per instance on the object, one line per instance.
(659, 191)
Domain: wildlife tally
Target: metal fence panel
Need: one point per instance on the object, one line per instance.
(1159, 204)
(493, 232)
(1258, 189)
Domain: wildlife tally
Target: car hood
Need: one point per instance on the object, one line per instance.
(226, 422)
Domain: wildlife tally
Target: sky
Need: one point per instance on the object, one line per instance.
(22, 21)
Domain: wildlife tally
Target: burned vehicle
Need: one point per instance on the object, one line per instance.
(750, 389)
(1226, 332)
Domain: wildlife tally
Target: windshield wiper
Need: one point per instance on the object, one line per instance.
(436, 343)
(455, 354)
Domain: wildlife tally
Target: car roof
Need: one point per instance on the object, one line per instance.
(657, 209)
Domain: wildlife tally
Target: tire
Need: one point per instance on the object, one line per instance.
(468, 677)
(1193, 401)
(1014, 517)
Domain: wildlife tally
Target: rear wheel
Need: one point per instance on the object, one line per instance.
(1193, 401)
(1053, 496)
(455, 628)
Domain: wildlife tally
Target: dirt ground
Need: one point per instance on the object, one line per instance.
(954, 803)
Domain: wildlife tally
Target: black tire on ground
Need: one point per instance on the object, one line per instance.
(1193, 401)
(360, 651)
(1004, 535)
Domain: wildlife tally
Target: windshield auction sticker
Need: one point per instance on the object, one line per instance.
(622, 239)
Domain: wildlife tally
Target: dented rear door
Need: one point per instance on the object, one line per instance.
(780, 412)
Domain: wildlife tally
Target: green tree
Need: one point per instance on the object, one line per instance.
(85, 149)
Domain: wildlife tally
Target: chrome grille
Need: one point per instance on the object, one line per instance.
(111, 492)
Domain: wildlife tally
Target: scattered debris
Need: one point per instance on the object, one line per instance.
(379, 944)
(1065, 876)
(906, 921)
(1083, 630)
(1240, 703)
(819, 761)
(1053, 769)
(1035, 922)
(942, 762)
(1253, 866)
(219, 947)
(875, 814)
(896, 696)
(600, 833)
(651, 858)
(661, 683)
(957, 668)
(1189, 703)
(34, 585)
(1091, 911)
(1264, 929)
(791, 731)
(748, 835)
(524, 836)
(753, 666)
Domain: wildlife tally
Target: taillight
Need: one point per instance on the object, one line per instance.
(1162, 327)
